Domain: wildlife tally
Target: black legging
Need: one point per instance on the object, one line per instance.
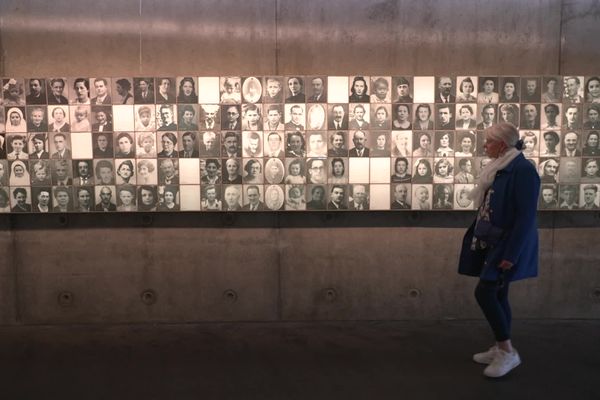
(493, 301)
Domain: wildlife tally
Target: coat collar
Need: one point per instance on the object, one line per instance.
(514, 162)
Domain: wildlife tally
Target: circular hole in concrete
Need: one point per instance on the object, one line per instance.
(414, 293)
(65, 299)
(148, 297)
(230, 296)
(330, 294)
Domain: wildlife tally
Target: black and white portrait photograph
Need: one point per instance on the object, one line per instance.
(569, 170)
(41, 199)
(401, 196)
(509, 113)
(126, 198)
(338, 144)
(253, 171)
(551, 89)
(62, 199)
(104, 200)
(295, 171)
(39, 173)
(443, 144)
(210, 117)
(60, 145)
(316, 117)
(168, 171)
(232, 198)
(381, 89)
(509, 89)
(57, 91)
(422, 144)
(273, 118)
(461, 197)
(548, 169)
(252, 117)
(338, 197)
(231, 118)
(125, 172)
(167, 145)
(58, 119)
(169, 198)
(81, 118)
(83, 196)
(360, 146)
(295, 90)
(590, 143)
(423, 117)
(274, 171)
(338, 170)
(295, 198)
(531, 143)
(531, 89)
(80, 92)
(295, 144)
(188, 145)
(122, 91)
(13, 91)
(253, 198)
(487, 116)
(530, 116)
(402, 114)
(445, 89)
(252, 143)
(444, 117)
(443, 196)
(104, 172)
(83, 173)
(273, 89)
(165, 90)
(102, 119)
(37, 120)
(465, 116)
(401, 170)
(591, 116)
(100, 91)
(124, 145)
(232, 144)
(273, 144)
(102, 143)
(166, 119)
(62, 172)
(465, 144)
(380, 143)
(17, 146)
(146, 144)
(421, 196)
(316, 197)
(337, 118)
(402, 89)
(488, 90)
(571, 144)
(4, 199)
(466, 89)
(359, 116)
(573, 89)
(211, 198)
(401, 143)
(143, 90)
(230, 90)
(20, 199)
(210, 171)
(16, 120)
(295, 117)
(358, 197)
(443, 170)
(572, 116)
(317, 144)
(186, 90)
(381, 117)
(274, 197)
(36, 91)
(358, 89)
(551, 116)
(422, 170)
(465, 170)
(252, 89)
(568, 196)
(592, 89)
(548, 197)
(316, 89)
(187, 115)
(590, 170)
(588, 197)
(147, 172)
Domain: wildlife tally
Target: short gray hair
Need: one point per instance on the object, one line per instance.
(504, 132)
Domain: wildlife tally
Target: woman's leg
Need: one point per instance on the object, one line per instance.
(493, 301)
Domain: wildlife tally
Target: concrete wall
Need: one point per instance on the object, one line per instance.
(285, 267)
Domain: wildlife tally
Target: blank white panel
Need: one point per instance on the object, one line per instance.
(359, 170)
(337, 89)
(424, 89)
(81, 143)
(380, 197)
(380, 170)
(190, 197)
(208, 89)
(189, 171)
(123, 118)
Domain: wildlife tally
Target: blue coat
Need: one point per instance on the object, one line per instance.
(513, 204)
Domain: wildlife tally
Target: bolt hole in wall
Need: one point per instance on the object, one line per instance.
(65, 299)
(230, 296)
(149, 297)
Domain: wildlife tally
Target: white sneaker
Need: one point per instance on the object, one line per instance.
(503, 363)
(487, 356)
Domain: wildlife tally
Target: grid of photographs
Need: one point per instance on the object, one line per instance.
(260, 143)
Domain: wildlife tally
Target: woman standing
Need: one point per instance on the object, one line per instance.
(501, 246)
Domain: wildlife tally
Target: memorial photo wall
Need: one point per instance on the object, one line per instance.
(287, 143)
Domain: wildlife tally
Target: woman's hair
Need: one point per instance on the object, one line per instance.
(171, 136)
(151, 189)
(103, 164)
(129, 164)
(427, 106)
(359, 79)
(595, 133)
(249, 165)
(439, 192)
(337, 159)
(466, 80)
(426, 164)
(294, 162)
(504, 132)
(213, 161)
(145, 163)
(591, 79)
(124, 83)
(446, 162)
(124, 135)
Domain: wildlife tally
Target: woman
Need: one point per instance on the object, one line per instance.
(187, 91)
(380, 149)
(104, 173)
(501, 246)
(423, 120)
(253, 170)
(442, 197)
(402, 120)
(424, 149)
(19, 175)
(551, 95)
(63, 199)
(358, 91)
(509, 90)
(295, 145)
(401, 145)
(382, 120)
(126, 198)
(3, 174)
(4, 201)
(16, 122)
(592, 90)
(444, 149)
(123, 87)
(422, 172)
(443, 171)
(147, 196)
(589, 171)
(549, 171)
(530, 144)
(487, 94)
(81, 88)
(169, 197)
(466, 90)
(212, 175)
(467, 141)
(593, 114)
(401, 173)
(146, 175)
(125, 144)
(59, 123)
(232, 169)
(509, 113)
(592, 143)
(338, 171)
(125, 173)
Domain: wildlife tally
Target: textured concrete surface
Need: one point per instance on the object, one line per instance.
(348, 360)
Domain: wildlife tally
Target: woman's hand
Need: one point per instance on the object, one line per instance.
(505, 265)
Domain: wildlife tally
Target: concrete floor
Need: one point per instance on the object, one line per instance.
(332, 360)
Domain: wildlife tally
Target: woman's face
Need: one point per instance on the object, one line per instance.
(592, 141)
(593, 115)
(120, 90)
(187, 88)
(147, 197)
(443, 169)
(338, 141)
(295, 169)
(232, 167)
(169, 198)
(424, 142)
(15, 119)
(445, 141)
(488, 86)
(467, 88)
(381, 115)
(359, 88)
(591, 168)
(126, 197)
(594, 88)
(294, 85)
(550, 168)
(124, 145)
(18, 145)
(551, 85)
(338, 169)
(401, 167)
(381, 141)
(254, 169)
(211, 169)
(465, 144)
(143, 170)
(124, 171)
(101, 117)
(19, 171)
(81, 91)
(465, 114)
(423, 114)
(295, 143)
(62, 198)
(402, 113)
(105, 175)
(509, 89)
(422, 169)
(59, 116)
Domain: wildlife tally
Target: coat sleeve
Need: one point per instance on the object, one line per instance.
(526, 187)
